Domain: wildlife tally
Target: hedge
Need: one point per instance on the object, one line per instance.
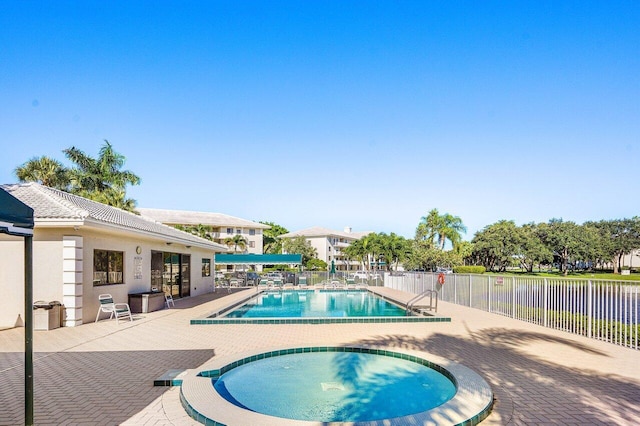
(469, 269)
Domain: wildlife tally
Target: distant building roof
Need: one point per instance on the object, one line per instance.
(185, 217)
(318, 231)
(55, 208)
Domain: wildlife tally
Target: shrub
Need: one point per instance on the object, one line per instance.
(469, 269)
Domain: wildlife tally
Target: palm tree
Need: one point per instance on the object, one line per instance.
(438, 228)
(100, 179)
(235, 242)
(44, 170)
(202, 231)
(451, 229)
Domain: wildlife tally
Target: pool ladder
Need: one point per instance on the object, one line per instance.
(431, 293)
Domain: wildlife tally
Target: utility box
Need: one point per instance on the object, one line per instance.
(46, 316)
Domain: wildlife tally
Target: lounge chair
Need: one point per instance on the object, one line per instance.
(107, 305)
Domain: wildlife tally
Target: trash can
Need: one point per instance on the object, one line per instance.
(46, 316)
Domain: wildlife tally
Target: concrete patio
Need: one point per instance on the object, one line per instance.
(102, 374)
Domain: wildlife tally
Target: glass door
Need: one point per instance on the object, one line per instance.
(185, 275)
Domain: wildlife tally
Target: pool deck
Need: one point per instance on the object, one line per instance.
(102, 374)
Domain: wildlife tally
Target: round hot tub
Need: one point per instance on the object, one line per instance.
(320, 385)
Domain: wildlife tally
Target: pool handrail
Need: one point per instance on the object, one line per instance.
(411, 303)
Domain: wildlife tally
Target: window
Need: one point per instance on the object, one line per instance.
(238, 231)
(206, 267)
(252, 232)
(252, 244)
(229, 230)
(108, 267)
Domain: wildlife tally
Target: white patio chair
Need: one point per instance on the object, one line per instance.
(107, 305)
(168, 300)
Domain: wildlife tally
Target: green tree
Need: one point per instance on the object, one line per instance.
(532, 251)
(495, 245)
(464, 250)
(44, 170)
(316, 265)
(425, 256)
(439, 228)
(202, 231)
(237, 241)
(393, 248)
(618, 238)
(300, 245)
(569, 242)
(271, 242)
(504, 244)
(101, 179)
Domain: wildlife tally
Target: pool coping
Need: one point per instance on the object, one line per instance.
(217, 318)
(471, 404)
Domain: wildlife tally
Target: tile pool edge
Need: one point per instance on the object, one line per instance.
(471, 404)
(217, 318)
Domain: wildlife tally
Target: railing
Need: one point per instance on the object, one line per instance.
(599, 309)
(431, 293)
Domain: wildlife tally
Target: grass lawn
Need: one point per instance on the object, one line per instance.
(580, 275)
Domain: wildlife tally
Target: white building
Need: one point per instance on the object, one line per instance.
(330, 245)
(82, 248)
(223, 227)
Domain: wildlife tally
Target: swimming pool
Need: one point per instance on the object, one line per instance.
(321, 303)
(314, 307)
(315, 385)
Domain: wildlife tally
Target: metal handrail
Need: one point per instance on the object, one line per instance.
(422, 295)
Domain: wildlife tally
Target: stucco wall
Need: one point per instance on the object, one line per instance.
(63, 270)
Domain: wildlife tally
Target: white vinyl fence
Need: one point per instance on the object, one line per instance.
(599, 309)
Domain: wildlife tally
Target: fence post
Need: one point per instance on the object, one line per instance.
(545, 319)
(470, 290)
(589, 308)
(513, 297)
(489, 293)
(455, 289)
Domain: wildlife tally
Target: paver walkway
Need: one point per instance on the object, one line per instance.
(102, 374)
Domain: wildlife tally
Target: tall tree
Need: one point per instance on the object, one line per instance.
(393, 249)
(440, 228)
(101, 179)
(237, 241)
(300, 245)
(44, 170)
(619, 237)
(271, 242)
(568, 241)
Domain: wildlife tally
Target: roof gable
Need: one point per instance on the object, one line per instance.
(185, 217)
(52, 205)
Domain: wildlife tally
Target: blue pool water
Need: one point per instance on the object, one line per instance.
(321, 303)
(335, 386)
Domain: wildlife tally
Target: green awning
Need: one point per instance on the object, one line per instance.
(258, 259)
(16, 218)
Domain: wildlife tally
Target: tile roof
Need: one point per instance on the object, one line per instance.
(52, 206)
(184, 217)
(318, 231)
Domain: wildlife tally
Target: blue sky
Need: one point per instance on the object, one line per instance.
(337, 113)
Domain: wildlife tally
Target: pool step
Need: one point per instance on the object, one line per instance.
(172, 377)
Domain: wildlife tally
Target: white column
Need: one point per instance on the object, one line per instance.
(72, 279)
